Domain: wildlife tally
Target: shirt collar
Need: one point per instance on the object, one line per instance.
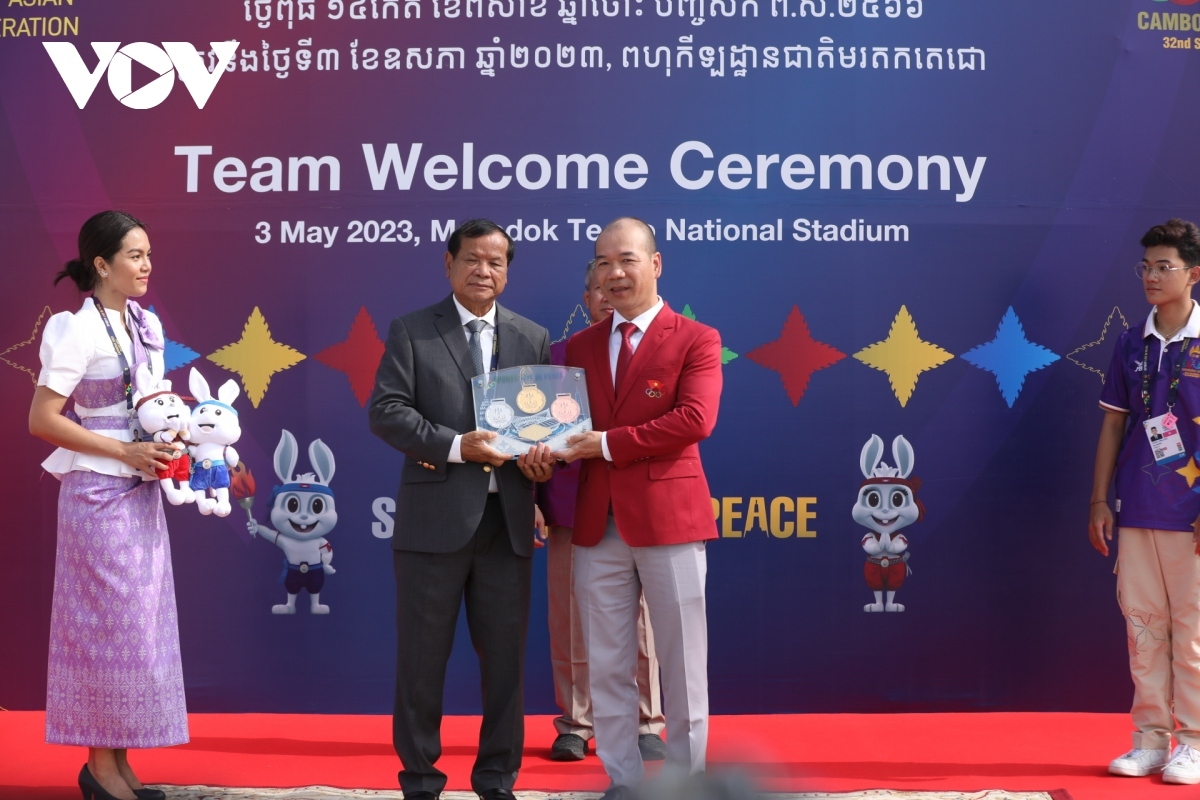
(1189, 331)
(642, 321)
(465, 316)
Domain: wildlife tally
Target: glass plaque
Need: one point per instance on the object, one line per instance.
(531, 405)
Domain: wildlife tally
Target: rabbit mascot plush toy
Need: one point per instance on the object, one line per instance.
(303, 512)
(887, 502)
(214, 428)
(165, 418)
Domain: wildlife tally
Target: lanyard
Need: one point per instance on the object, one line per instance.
(125, 370)
(495, 349)
(495, 362)
(1176, 372)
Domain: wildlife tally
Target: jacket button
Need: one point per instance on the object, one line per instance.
(487, 467)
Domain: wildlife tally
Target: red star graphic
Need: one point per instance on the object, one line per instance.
(795, 355)
(358, 356)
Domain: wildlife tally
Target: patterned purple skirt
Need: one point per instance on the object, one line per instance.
(115, 678)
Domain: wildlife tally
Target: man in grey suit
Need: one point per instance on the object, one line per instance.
(464, 527)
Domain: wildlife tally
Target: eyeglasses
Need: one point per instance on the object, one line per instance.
(1156, 272)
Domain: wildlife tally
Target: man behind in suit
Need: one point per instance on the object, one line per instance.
(464, 514)
(643, 512)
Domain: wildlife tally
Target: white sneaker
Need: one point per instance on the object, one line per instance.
(1138, 763)
(1184, 766)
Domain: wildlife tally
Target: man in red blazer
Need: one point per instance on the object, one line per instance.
(643, 511)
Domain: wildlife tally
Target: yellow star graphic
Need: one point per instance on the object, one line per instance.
(11, 349)
(1189, 472)
(903, 355)
(256, 357)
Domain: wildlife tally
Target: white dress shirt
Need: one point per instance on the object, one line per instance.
(487, 339)
(642, 321)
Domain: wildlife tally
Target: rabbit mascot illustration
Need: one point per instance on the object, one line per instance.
(887, 502)
(214, 428)
(165, 418)
(302, 511)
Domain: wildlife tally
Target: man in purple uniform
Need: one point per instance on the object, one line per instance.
(1149, 438)
(568, 657)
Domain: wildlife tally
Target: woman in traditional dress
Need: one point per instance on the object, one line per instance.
(114, 679)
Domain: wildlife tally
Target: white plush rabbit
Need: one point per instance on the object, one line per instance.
(164, 417)
(214, 428)
(302, 511)
(886, 503)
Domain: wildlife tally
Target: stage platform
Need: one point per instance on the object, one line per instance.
(784, 753)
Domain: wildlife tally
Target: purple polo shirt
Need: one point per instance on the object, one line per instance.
(556, 497)
(1150, 495)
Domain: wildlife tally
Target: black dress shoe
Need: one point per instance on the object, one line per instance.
(150, 794)
(568, 747)
(421, 795)
(617, 793)
(91, 788)
(652, 747)
(496, 794)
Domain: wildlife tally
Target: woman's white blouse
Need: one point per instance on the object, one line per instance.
(76, 346)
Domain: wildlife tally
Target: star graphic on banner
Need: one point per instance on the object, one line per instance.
(795, 355)
(576, 322)
(727, 355)
(175, 354)
(256, 357)
(1092, 356)
(14, 355)
(357, 355)
(1010, 357)
(903, 355)
(1157, 472)
(1189, 472)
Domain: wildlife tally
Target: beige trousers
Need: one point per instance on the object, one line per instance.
(612, 579)
(568, 655)
(1158, 588)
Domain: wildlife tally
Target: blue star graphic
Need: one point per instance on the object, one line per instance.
(175, 354)
(1010, 357)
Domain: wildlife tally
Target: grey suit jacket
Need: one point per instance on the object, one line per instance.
(422, 399)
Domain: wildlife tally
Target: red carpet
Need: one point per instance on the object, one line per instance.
(817, 752)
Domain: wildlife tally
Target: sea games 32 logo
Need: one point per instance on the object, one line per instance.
(172, 58)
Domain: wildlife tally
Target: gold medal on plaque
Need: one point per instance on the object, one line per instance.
(530, 399)
(565, 408)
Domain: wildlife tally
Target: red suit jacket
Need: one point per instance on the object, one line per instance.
(666, 404)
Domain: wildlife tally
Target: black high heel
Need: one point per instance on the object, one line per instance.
(91, 788)
(150, 794)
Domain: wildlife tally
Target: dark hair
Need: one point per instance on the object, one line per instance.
(100, 236)
(1177, 233)
(474, 229)
(644, 226)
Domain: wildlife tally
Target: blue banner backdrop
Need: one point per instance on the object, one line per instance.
(905, 217)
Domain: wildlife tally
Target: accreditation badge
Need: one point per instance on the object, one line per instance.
(1165, 441)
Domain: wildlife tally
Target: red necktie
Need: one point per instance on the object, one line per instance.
(626, 353)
